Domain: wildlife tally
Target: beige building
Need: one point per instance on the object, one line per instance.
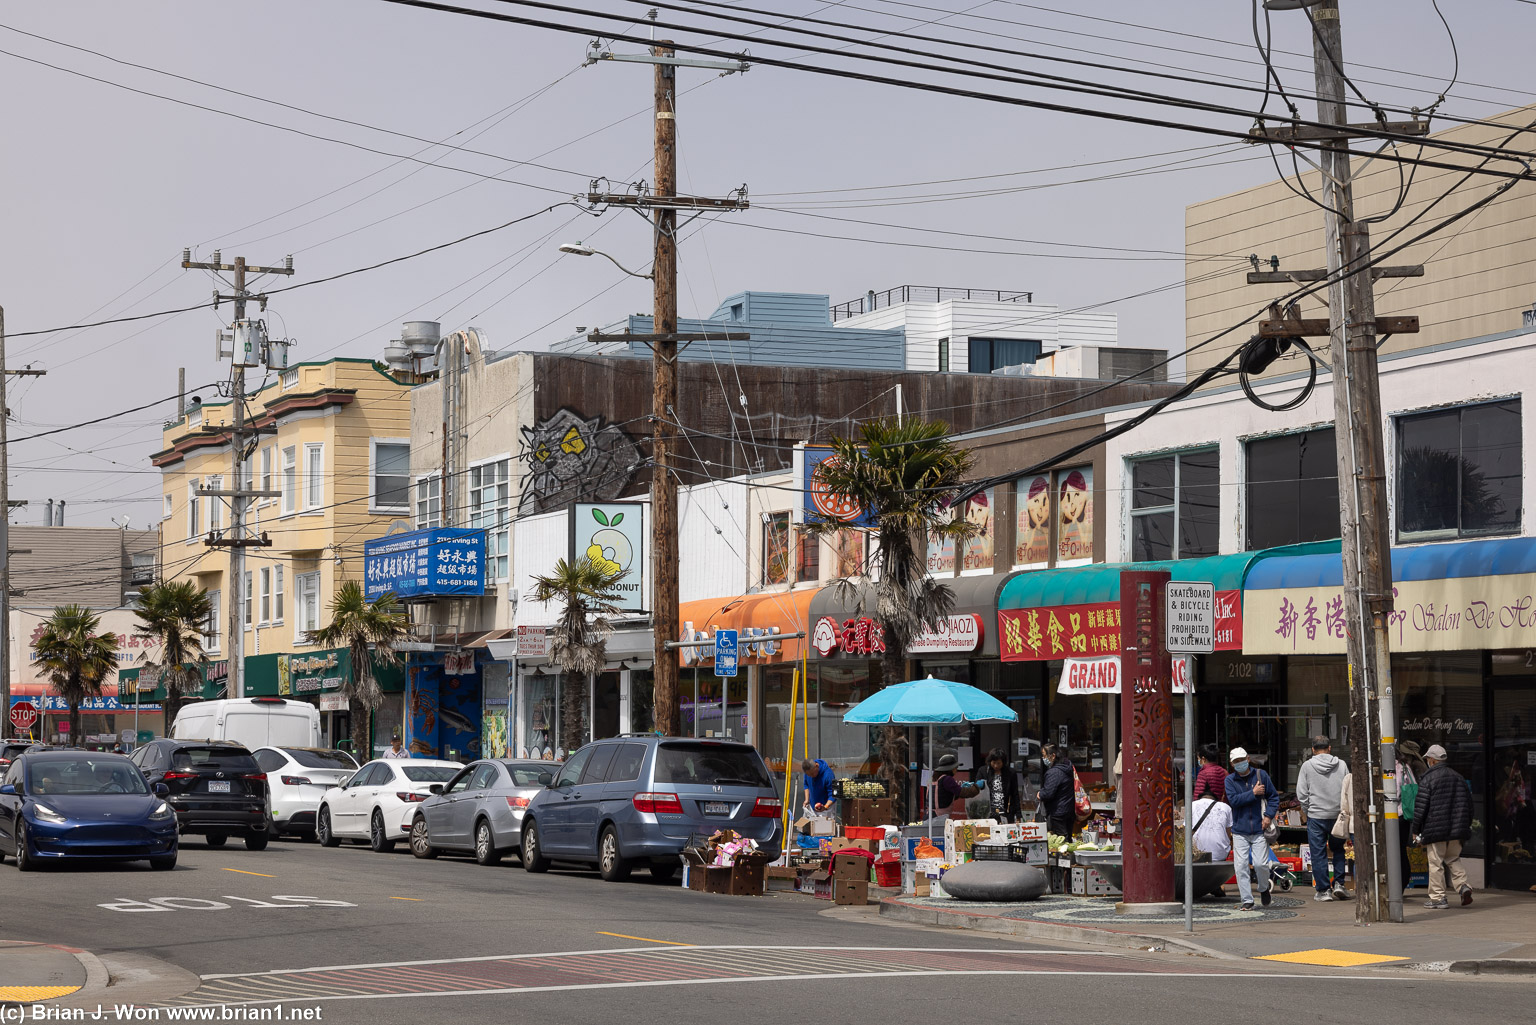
(1480, 272)
(334, 441)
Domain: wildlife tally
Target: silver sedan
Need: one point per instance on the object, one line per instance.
(479, 811)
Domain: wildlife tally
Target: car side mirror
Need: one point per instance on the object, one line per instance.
(8, 789)
(436, 788)
(546, 779)
(161, 790)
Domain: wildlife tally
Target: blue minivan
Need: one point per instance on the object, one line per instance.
(639, 799)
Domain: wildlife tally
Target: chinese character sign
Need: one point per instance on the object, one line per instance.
(435, 562)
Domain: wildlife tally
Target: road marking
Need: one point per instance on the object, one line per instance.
(416, 899)
(245, 873)
(644, 939)
(1330, 958)
(35, 992)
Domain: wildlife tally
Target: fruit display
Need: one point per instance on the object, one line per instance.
(856, 789)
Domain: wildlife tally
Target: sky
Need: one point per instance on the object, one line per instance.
(854, 185)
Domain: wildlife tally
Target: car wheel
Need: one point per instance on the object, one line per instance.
(533, 860)
(610, 864)
(485, 844)
(323, 829)
(421, 840)
(215, 839)
(663, 873)
(378, 836)
(164, 864)
(256, 841)
(24, 859)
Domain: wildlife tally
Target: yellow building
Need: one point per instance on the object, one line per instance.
(333, 439)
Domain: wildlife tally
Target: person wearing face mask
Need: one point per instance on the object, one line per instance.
(1254, 802)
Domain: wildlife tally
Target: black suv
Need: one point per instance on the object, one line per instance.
(216, 788)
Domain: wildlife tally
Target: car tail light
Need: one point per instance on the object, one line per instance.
(262, 776)
(410, 798)
(517, 802)
(768, 808)
(293, 781)
(658, 804)
(179, 775)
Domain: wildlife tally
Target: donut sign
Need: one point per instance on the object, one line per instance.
(820, 502)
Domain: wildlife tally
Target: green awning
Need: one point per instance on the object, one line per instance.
(1100, 582)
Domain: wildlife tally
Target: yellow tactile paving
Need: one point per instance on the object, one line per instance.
(35, 992)
(1331, 958)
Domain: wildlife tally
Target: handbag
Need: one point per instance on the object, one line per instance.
(1409, 797)
(1080, 803)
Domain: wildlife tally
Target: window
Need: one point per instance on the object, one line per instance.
(266, 470)
(266, 595)
(290, 487)
(211, 624)
(246, 476)
(776, 548)
(570, 772)
(165, 512)
(277, 594)
(1458, 472)
(943, 355)
(391, 475)
(484, 777)
(215, 505)
(307, 604)
(314, 476)
(247, 616)
(1175, 504)
(490, 510)
(597, 767)
(978, 553)
(141, 568)
(429, 502)
(989, 354)
(1293, 489)
(626, 764)
(807, 556)
(848, 548)
(194, 525)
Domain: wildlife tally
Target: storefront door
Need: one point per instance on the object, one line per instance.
(1512, 853)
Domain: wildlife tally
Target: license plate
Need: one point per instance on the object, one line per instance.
(717, 808)
(218, 786)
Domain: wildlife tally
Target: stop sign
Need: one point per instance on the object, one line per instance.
(23, 715)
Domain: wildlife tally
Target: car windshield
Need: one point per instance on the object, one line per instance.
(710, 763)
(429, 773)
(223, 759)
(84, 775)
(320, 759)
(526, 774)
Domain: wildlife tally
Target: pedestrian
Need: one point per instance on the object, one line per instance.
(1000, 784)
(819, 777)
(395, 750)
(1212, 827)
(1211, 780)
(1251, 793)
(1058, 791)
(1319, 787)
(1442, 820)
(951, 790)
(1410, 767)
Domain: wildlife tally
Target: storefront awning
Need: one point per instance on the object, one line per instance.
(1460, 596)
(760, 620)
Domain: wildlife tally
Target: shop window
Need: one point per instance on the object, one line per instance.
(1458, 472)
(1175, 505)
(807, 556)
(776, 548)
(1293, 489)
(1440, 700)
(989, 354)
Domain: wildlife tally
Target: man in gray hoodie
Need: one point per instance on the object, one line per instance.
(1317, 788)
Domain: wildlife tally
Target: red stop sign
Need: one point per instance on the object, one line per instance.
(23, 715)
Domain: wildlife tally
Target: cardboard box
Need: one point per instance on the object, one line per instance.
(866, 811)
(745, 878)
(1090, 882)
(960, 835)
(872, 846)
(1032, 832)
(849, 866)
(850, 891)
(822, 825)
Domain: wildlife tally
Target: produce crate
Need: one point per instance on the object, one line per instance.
(857, 789)
(887, 873)
(864, 832)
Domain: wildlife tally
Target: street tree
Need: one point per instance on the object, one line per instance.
(173, 615)
(75, 658)
(371, 632)
(584, 591)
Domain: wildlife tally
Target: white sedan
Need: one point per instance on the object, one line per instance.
(375, 799)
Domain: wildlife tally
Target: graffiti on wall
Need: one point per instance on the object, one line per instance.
(572, 458)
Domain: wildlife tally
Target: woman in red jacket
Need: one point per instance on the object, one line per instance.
(1211, 781)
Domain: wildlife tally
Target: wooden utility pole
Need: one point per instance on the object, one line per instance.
(5, 533)
(250, 348)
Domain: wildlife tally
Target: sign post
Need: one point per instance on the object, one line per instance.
(727, 651)
(1191, 629)
(23, 716)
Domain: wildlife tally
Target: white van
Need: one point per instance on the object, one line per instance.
(254, 722)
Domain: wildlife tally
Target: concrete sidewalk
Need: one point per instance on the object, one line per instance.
(1497, 933)
(43, 971)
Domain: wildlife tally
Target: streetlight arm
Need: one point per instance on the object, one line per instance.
(626, 270)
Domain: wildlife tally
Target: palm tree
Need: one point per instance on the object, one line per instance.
(74, 658)
(904, 474)
(584, 592)
(369, 630)
(175, 615)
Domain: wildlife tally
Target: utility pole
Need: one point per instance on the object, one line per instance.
(663, 202)
(5, 533)
(250, 347)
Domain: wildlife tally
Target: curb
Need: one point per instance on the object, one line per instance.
(1494, 966)
(97, 978)
(1055, 932)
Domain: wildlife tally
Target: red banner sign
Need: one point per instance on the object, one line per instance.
(1093, 631)
(860, 636)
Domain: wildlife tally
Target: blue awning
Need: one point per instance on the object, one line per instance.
(1491, 558)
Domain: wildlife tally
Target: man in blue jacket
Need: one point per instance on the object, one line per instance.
(1251, 793)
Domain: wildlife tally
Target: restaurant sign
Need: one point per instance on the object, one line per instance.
(1093, 630)
(857, 636)
(959, 633)
(1102, 675)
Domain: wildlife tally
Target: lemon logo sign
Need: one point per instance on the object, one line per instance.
(610, 549)
(611, 536)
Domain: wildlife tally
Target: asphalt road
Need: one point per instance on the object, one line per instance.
(382, 938)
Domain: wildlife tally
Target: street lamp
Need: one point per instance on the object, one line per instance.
(582, 249)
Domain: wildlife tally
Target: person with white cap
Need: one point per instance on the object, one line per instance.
(1442, 817)
(1254, 802)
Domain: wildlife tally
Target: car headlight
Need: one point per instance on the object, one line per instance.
(162, 813)
(43, 813)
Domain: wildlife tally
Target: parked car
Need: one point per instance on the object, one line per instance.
(297, 778)
(479, 811)
(10, 751)
(371, 805)
(215, 787)
(254, 722)
(57, 805)
(616, 803)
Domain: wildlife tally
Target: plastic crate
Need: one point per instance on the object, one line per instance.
(997, 851)
(887, 873)
(864, 832)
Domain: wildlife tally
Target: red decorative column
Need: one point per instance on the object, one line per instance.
(1146, 718)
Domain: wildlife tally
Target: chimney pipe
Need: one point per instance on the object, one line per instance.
(58, 514)
(48, 516)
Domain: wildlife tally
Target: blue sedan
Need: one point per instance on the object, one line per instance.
(83, 805)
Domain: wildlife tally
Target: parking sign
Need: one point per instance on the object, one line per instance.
(725, 652)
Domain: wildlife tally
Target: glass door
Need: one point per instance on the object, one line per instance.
(1512, 826)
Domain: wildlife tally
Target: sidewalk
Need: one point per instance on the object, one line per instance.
(41, 971)
(1499, 927)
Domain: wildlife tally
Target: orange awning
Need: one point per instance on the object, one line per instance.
(758, 617)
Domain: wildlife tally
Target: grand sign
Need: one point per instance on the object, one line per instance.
(958, 634)
(1102, 675)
